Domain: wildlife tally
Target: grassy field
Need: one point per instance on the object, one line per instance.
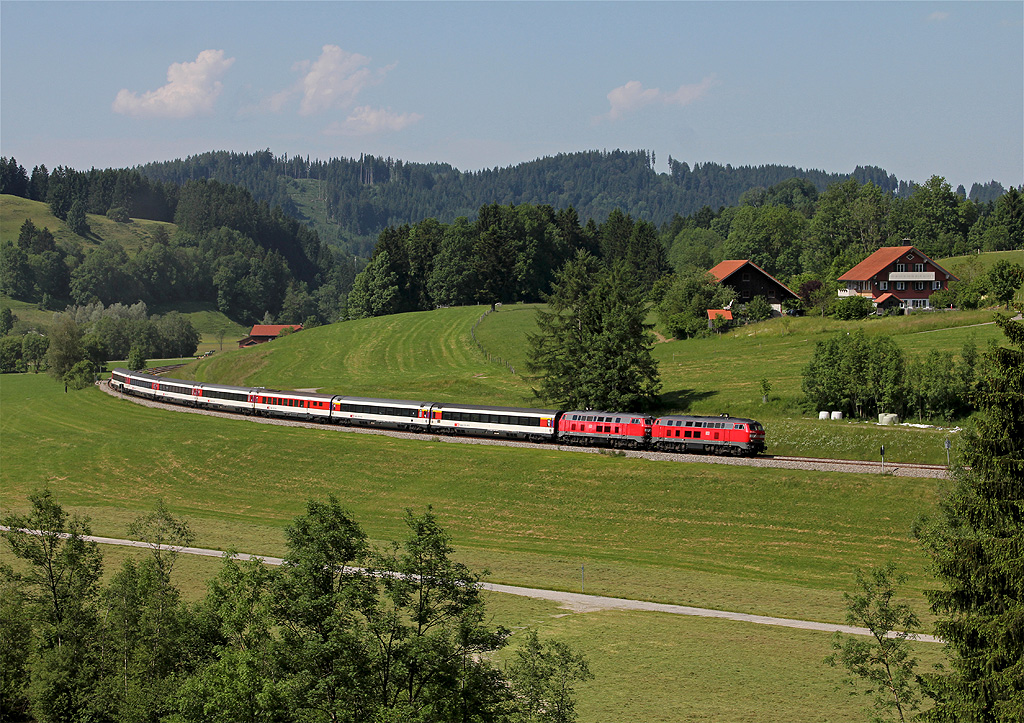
(775, 542)
(652, 666)
(430, 355)
(132, 236)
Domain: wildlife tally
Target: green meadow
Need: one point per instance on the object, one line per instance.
(132, 236)
(431, 356)
(765, 541)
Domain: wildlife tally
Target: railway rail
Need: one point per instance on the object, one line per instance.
(781, 462)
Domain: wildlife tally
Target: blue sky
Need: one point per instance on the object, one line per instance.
(918, 88)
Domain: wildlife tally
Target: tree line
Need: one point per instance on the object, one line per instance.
(863, 376)
(341, 631)
(509, 254)
(797, 234)
(360, 197)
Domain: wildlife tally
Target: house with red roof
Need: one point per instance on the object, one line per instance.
(896, 275)
(750, 280)
(262, 333)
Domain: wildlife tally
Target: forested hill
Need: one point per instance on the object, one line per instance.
(351, 200)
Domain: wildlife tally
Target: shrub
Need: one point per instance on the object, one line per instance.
(854, 307)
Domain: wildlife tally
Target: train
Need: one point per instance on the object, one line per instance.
(722, 435)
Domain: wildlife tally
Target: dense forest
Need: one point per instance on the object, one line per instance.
(253, 259)
(359, 197)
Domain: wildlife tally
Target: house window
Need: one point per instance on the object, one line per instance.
(883, 285)
(918, 267)
(919, 286)
(936, 285)
(901, 268)
(919, 303)
(901, 285)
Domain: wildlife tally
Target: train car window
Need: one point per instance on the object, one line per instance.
(737, 426)
(698, 424)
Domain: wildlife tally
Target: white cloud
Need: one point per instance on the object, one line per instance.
(938, 16)
(191, 90)
(334, 80)
(630, 97)
(633, 96)
(365, 120)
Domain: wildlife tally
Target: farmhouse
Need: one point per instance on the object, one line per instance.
(750, 280)
(896, 274)
(262, 333)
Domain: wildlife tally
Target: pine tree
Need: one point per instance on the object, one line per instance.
(594, 349)
(977, 550)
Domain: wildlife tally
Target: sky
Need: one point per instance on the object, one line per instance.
(917, 88)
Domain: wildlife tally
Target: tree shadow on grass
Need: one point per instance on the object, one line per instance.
(681, 399)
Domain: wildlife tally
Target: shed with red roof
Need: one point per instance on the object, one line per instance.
(262, 333)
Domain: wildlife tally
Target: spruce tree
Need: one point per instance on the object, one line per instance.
(594, 349)
(977, 551)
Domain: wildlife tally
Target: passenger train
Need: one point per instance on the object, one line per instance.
(673, 433)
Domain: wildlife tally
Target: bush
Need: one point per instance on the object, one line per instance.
(119, 214)
(757, 309)
(80, 376)
(854, 307)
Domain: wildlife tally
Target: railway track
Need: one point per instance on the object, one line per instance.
(781, 462)
(862, 463)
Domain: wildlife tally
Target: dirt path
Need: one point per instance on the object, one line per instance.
(575, 602)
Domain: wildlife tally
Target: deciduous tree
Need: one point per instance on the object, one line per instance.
(883, 663)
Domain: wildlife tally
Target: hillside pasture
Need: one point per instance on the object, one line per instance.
(131, 236)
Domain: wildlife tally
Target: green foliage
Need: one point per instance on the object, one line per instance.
(80, 376)
(863, 375)
(593, 349)
(542, 677)
(853, 307)
(33, 350)
(7, 319)
(65, 349)
(136, 359)
(683, 309)
(770, 236)
(856, 374)
(975, 547)
(757, 309)
(1004, 279)
(60, 588)
(118, 214)
(15, 647)
(884, 664)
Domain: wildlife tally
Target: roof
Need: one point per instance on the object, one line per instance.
(724, 313)
(272, 329)
(877, 262)
(885, 297)
(727, 268)
(724, 270)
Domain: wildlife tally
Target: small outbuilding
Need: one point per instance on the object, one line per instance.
(262, 333)
(718, 314)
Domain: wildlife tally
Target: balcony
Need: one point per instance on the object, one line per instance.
(912, 276)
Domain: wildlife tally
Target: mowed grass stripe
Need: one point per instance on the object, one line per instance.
(426, 356)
